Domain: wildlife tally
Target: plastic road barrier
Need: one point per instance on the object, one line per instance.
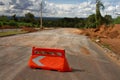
(49, 59)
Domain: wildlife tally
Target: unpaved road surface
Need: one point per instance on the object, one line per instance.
(88, 60)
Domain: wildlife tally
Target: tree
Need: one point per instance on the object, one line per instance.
(117, 20)
(13, 23)
(108, 19)
(3, 18)
(1, 24)
(14, 17)
(29, 17)
(99, 18)
(91, 22)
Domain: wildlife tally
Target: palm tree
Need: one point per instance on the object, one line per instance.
(98, 17)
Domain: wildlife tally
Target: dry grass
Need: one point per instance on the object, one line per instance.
(9, 33)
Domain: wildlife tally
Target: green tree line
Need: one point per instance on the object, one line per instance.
(30, 21)
(92, 21)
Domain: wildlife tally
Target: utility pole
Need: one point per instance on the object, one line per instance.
(41, 26)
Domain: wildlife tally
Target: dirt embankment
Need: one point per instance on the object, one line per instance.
(109, 37)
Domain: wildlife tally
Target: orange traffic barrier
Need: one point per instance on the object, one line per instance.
(49, 59)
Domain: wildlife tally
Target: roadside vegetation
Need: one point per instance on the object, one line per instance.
(9, 33)
(30, 21)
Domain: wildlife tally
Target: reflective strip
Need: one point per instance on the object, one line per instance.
(37, 60)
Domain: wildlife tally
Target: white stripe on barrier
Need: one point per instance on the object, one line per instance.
(37, 60)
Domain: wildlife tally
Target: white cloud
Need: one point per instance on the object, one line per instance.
(84, 9)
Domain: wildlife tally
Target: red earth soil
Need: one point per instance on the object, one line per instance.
(107, 35)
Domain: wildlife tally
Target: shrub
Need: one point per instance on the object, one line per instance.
(1, 24)
(13, 23)
(117, 20)
(5, 23)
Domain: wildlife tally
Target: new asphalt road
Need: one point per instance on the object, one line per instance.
(87, 59)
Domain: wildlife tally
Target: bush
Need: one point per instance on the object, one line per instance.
(26, 24)
(79, 25)
(1, 24)
(117, 20)
(5, 23)
(91, 22)
(13, 23)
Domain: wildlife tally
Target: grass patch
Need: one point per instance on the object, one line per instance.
(107, 46)
(9, 33)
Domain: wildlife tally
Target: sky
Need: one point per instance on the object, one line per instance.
(58, 8)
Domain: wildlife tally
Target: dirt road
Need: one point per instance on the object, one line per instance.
(87, 59)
